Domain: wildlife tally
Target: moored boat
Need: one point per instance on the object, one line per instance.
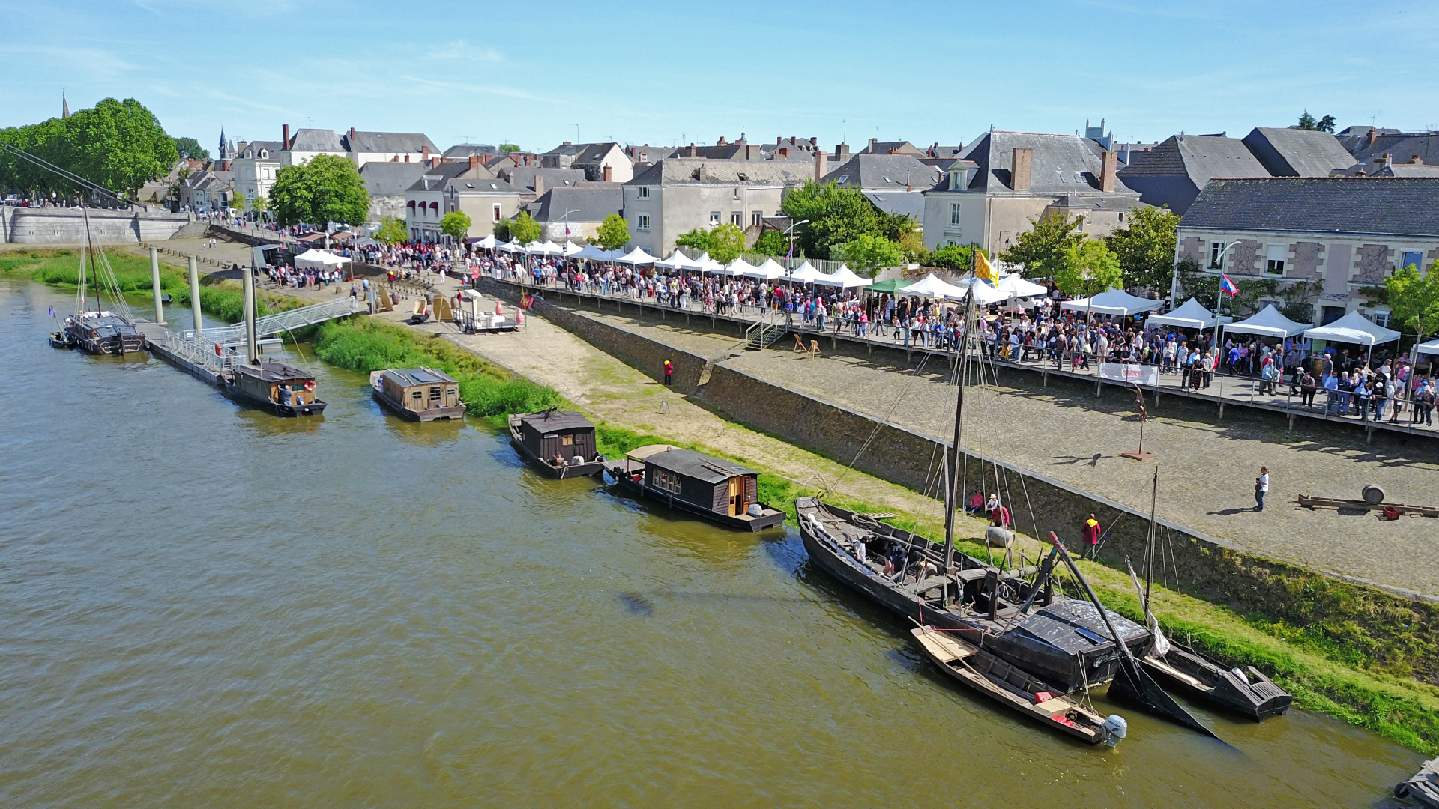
(103, 333)
(418, 394)
(1245, 691)
(712, 489)
(274, 386)
(1423, 788)
(1015, 689)
(559, 443)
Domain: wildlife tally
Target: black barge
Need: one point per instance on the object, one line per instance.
(712, 489)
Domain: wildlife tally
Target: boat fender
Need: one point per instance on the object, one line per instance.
(1115, 729)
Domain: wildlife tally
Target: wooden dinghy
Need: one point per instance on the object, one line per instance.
(1423, 788)
(1243, 691)
(1013, 688)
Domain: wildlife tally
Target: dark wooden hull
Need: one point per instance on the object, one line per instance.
(1254, 695)
(59, 339)
(550, 470)
(625, 485)
(268, 406)
(433, 414)
(1423, 788)
(1004, 636)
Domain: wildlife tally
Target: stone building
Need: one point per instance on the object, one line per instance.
(575, 212)
(680, 194)
(1340, 235)
(387, 184)
(601, 162)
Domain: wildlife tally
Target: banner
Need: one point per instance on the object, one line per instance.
(1129, 373)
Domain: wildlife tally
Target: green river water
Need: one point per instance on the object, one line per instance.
(205, 606)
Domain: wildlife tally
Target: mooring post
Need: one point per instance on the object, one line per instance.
(155, 284)
(252, 350)
(195, 296)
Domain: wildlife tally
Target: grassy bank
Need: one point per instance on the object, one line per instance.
(1328, 678)
(61, 268)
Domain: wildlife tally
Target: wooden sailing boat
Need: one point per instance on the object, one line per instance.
(98, 331)
(1244, 691)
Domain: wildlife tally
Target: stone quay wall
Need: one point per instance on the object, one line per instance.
(1191, 562)
(67, 225)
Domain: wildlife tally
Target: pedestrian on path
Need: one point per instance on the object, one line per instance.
(1261, 488)
(669, 374)
(1090, 531)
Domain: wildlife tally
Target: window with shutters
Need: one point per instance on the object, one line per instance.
(1275, 255)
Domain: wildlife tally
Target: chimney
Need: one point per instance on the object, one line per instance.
(285, 136)
(474, 162)
(784, 151)
(352, 135)
(1109, 167)
(814, 142)
(424, 152)
(841, 153)
(407, 157)
(1019, 172)
(1416, 160)
(778, 139)
(607, 173)
(566, 143)
(750, 150)
(721, 140)
(435, 162)
(693, 151)
(873, 144)
(819, 165)
(539, 185)
(1373, 135)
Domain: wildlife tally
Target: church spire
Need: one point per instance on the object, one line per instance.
(64, 105)
(224, 150)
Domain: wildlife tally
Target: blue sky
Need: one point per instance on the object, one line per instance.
(674, 73)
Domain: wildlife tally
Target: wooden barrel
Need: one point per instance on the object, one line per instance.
(1373, 495)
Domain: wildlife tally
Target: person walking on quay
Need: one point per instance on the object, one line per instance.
(669, 374)
(1307, 387)
(1261, 488)
(1090, 531)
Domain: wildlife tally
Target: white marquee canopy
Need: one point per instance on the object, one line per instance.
(1189, 315)
(1112, 302)
(1353, 328)
(1268, 322)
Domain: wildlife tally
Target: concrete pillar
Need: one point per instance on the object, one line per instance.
(195, 295)
(252, 348)
(155, 284)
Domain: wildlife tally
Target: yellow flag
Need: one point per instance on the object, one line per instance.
(982, 268)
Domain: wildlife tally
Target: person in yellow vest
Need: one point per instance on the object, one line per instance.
(1091, 537)
(669, 374)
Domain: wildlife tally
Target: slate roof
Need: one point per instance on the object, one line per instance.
(547, 420)
(1061, 164)
(904, 203)
(884, 172)
(692, 464)
(416, 142)
(407, 377)
(567, 149)
(587, 203)
(315, 140)
(433, 177)
(594, 153)
(1297, 152)
(1407, 170)
(723, 172)
(460, 151)
(390, 179)
(523, 177)
(886, 146)
(1172, 173)
(479, 182)
(1401, 145)
(1361, 205)
(256, 146)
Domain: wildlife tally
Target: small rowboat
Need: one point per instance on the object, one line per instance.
(1015, 689)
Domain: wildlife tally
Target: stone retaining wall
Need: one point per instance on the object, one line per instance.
(67, 225)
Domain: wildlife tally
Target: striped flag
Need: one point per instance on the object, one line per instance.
(1227, 286)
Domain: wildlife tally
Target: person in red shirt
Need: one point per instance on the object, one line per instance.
(999, 515)
(669, 373)
(976, 504)
(1090, 531)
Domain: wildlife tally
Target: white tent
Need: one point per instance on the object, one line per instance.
(570, 249)
(676, 261)
(1353, 328)
(807, 274)
(543, 249)
(772, 268)
(1112, 302)
(487, 243)
(1431, 347)
(847, 278)
(984, 292)
(1190, 315)
(313, 259)
(741, 267)
(635, 258)
(933, 287)
(512, 247)
(594, 252)
(1016, 286)
(1268, 322)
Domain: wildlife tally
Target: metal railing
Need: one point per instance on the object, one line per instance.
(199, 352)
(287, 320)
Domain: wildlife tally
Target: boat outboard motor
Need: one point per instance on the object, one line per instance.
(1115, 729)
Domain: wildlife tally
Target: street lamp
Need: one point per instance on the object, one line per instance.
(789, 231)
(566, 217)
(1174, 279)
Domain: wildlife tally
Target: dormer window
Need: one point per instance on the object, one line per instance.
(264, 153)
(956, 180)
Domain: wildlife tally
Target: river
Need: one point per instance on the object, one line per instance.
(203, 605)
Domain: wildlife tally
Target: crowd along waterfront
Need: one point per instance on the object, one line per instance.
(208, 605)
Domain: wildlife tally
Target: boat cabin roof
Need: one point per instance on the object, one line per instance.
(689, 463)
(1069, 625)
(552, 420)
(407, 377)
(273, 371)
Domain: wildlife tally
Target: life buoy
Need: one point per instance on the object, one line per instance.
(310, 386)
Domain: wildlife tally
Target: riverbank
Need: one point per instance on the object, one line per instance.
(1397, 708)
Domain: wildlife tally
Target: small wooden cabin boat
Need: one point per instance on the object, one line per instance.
(1423, 788)
(712, 489)
(559, 443)
(1243, 691)
(100, 333)
(418, 394)
(274, 386)
(1014, 689)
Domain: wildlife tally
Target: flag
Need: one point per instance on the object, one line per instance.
(52, 311)
(982, 268)
(1227, 286)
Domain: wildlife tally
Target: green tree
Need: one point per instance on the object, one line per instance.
(260, 204)
(1306, 121)
(869, 252)
(772, 243)
(455, 224)
(955, 257)
(697, 239)
(391, 231)
(190, 149)
(118, 145)
(1326, 124)
(237, 200)
(524, 228)
(1042, 249)
(1145, 247)
(726, 243)
(326, 189)
(836, 216)
(1089, 268)
(613, 233)
(502, 230)
(1414, 299)
(506, 148)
